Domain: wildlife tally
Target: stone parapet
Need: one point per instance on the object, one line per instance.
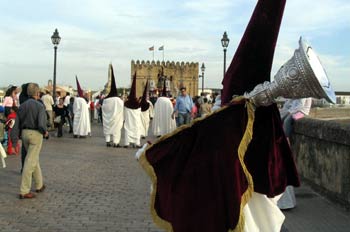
(330, 112)
(322, 151)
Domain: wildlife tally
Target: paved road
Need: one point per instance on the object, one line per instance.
(89, 188)
(94, 188)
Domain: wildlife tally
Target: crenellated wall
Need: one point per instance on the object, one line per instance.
(177, 73)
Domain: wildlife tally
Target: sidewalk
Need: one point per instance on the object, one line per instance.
(314, 213)
(92, 188)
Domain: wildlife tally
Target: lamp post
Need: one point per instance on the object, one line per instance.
(55, 38)
(202, 69)
(224, 42)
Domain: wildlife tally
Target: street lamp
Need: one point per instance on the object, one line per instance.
(202, 69)
(224, 42)
(55, 38)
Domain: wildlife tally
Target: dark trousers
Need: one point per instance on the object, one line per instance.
(70, 124)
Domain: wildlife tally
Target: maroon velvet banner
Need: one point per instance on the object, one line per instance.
(200, 180)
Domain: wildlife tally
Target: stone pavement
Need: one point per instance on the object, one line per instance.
(94, 188)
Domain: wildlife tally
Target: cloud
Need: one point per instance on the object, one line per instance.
(95, 33)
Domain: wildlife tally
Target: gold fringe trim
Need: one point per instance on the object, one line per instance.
(243, 146)
(150, 171)
(248, 134)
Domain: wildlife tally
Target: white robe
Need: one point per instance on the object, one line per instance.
(81, 122)
(132, 126)
(96, 110)
(162, 122)
(113, 117)
(151, 109)
(262, 214)
(146, 118)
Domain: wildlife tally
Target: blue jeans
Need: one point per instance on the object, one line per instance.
(184, 118)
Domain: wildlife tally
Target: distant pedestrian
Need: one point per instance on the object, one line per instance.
(163, 121)
(61, 112)
(183, 107)
(293, 109)
(49, 103)
(67, 101)
(31, 125)
(10, 99)
(132, 119)
(146, 112)
(112, 115)
(11, 118)
(205, 108)
(81, 121)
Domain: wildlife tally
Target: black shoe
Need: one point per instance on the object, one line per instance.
(143, 137)
(108, 144)
(126, 146)
(116, 145)
(75, 136)
(41, 189)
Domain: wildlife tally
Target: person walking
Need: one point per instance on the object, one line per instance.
(48, 103)
(183, 107)
(61, 112)
(67, 101)
(293, 110)
(112, 114)
(132, 119)
(31, 125)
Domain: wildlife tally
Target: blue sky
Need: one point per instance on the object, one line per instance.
(95, 33)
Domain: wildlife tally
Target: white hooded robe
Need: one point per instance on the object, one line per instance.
(81, 122)
(162, 122)
(113, 117)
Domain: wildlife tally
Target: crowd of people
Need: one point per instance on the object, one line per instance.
(125, 121)
(77, 113)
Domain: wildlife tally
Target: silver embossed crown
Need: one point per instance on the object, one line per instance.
(300, 77)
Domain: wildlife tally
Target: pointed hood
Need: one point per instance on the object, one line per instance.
(144, 102)
(251, 64)
(132, 102)
(79, 89)
(113, 90)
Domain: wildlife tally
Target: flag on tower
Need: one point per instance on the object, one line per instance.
(161, 48)
(151, 48)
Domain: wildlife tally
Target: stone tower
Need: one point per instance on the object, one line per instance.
(175, 74)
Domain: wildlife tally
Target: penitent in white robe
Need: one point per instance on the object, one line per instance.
(162, 122)
(145, 119)
(132, 126)
(113, 117)
(81, 121)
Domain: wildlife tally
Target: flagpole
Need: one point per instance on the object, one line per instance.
(152, 49)
(163, 53)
